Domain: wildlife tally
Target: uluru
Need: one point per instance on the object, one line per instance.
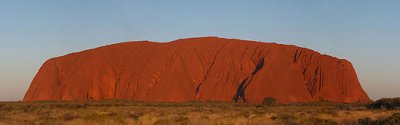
(197, 69)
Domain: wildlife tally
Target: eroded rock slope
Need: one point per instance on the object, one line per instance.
(206, 68)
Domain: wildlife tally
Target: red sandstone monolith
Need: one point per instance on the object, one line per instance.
(203, 69)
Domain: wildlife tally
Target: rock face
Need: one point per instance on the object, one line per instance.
(206, 68)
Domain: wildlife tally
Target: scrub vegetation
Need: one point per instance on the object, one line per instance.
(121, 112)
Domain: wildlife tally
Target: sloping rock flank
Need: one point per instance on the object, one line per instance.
(203, 69)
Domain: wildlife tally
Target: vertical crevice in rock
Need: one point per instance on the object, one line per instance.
(88, 97)
(198, 56)
(58, 82)
(118, 78)
(313, 85)
(311, 68)
(209, 69)
(321, 80)
(240, 92)
(205, 76)
(239, 97)
(258, 67)
(116, 87)
(241, 57)
(296, 55)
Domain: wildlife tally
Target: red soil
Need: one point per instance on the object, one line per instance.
(207, 68)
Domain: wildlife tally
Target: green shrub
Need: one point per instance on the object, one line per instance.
(323, 101)
(162, 122)
(206, 117)
(269, 101)
(342, 107)
(392, 120)
(319, 121)
(274, 117)
(328, 111)
(182, 120)
(26, 108)
(286, 118)
(7, 108)
(73, 105)
(385, 103)
(50, 121)
(69, 117)
(136, 115)
(365, 121)
(244, 114)
(2, 105)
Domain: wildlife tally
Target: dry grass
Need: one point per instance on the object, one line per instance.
(120, 112)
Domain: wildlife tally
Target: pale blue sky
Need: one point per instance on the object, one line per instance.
(366, 32)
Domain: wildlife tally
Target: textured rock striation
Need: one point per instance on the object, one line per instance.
(203, 69)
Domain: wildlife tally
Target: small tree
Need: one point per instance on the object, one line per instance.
(269, 101)
(385, 103)
(323, 101)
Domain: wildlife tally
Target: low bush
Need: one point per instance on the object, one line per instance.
(245, 114)
(182, 120)
(392, 120)
(343, 107)
(385, 103)
(286, 118)
(319, 121)
(323, 101)
(274, 117)
(136, 115)
(162, 122)
(1, 105)
(68, 117)
(365, 121)
(328, 112)
(50, 121)
(26, 108)
(74, 105)
(8, 108)
(269, 101)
